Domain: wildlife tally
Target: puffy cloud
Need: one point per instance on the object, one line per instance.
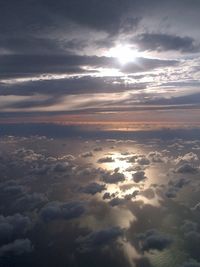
(189, 226)
(139, 176)
(148, 193)
(175, 186)
(187, 158)
(179, 183)
(98, 148)
(117, 201)
(13, 226)
(156, 156)
(98, 239)
(93, 188)
(154, 240)
(18, 247)
(86, 171)
(105, 160)
(108, 195)
(143, 161)
(132, 158)
(112, 178)
(132, 195)
(62, 167)
(29, 202)
(12, 188)
(87, 154)
(135, 168)
(28, 155)
(68, 157)
(186, 168)
(41, 170)
(62, 211)
(191, 235)
(171, 192)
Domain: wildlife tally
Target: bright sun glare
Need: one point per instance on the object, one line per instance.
(123, 53)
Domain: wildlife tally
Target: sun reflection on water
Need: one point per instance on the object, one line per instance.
(119, 161)
(128, 189)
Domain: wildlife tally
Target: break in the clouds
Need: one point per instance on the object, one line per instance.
(63, 55)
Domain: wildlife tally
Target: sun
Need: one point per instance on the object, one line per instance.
(124, 53)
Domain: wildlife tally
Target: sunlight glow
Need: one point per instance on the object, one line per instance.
(123, 53)
(117, 163)
(126, 188)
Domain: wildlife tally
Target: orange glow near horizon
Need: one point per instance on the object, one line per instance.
(121, 121)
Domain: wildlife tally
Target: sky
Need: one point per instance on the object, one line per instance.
(96, 61)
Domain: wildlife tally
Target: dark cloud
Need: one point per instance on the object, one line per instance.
(181, 182)
(98, 239)
(37, 103)
(62, 167)
(68, 86)
(17, 247)
(166, 42)
(143, 262)
(137, 192)
(108, 195)
(46, 37)
(35, 45)
(62, 211)
(147, 64)
(93, 188)
(148, 193)
(174, 186)
(133, 158)
(156, 157)
(47, 15)
(14, 66)
(187, 168)
(139, 176)
(112, 178)
(102, 16)
(87, 154)
(117, 201)
(154, 240)
(143, 161)
(30, 201)
(54, 64)
(98, 148)
(193, 98)
(196, 207)
(12, 188)
(12, 227)
(191, 263)
(105, 160)
(189, 226)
